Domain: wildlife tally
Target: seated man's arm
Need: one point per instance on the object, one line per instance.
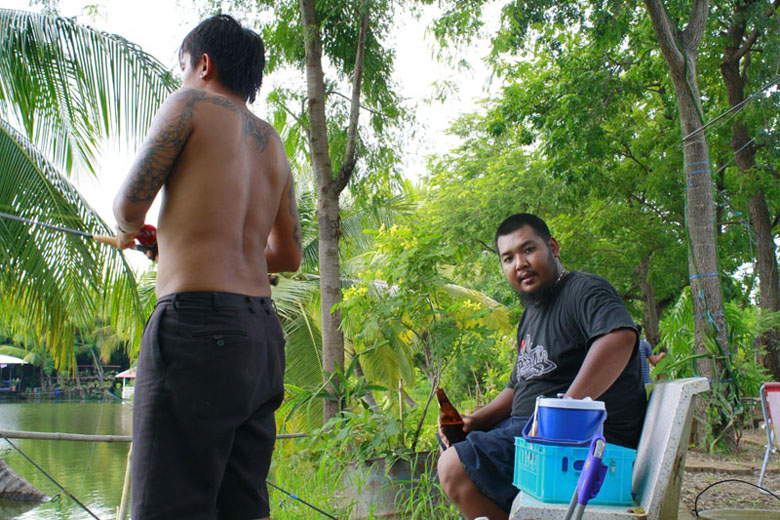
(656, 358)
(171, 127)
(605, 361)
(492, 413)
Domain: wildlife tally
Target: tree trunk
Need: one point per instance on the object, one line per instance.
(650, 314)
(327, 202)
(98, 365)
(680, 50)
(736, 60)
(329, 188)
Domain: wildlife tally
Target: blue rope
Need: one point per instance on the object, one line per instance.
(703, 275)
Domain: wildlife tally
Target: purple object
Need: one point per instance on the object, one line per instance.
(593, 473)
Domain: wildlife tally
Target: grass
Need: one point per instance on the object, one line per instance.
(324, 485)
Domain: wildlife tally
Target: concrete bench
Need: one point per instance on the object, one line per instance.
(659, 465)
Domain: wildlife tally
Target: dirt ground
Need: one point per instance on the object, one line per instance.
(702, 470)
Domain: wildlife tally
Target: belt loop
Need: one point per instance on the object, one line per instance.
(250, 304)
(266, 307)
(215, 301)
(176, 301)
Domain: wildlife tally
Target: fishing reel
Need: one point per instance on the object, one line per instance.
(146, 239)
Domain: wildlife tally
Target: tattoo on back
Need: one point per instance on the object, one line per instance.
(166, 141)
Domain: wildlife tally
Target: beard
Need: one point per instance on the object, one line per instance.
(541, 296)
(544, 293)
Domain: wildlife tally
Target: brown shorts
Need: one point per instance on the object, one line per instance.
(210, 376)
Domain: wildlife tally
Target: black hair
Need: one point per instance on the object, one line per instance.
(238, 53)
(517, 221)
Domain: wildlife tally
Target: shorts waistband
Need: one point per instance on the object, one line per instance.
(217, 300)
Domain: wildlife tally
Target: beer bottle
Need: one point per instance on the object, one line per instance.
(450, 419)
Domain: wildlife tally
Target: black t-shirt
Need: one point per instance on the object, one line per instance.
(552, 341)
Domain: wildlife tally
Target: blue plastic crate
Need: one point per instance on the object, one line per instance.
(549, 473)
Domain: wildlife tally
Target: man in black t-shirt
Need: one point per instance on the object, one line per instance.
(575, 337)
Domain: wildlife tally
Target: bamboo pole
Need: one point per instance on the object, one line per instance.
(47, 436)
(121, 513)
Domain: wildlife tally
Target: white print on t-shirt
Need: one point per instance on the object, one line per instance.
(533, 362)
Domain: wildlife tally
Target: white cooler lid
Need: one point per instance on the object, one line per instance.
(575, 404)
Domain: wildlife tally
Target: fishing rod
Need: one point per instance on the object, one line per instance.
(299, 500)
(67, 493)
(146, 236)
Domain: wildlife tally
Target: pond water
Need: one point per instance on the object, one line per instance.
(93, 472)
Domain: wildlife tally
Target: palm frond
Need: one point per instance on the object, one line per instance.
(55, 280)
(68, 85)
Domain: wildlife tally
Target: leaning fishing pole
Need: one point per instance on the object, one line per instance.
(146, 236)
(301, 501)
(67, 493)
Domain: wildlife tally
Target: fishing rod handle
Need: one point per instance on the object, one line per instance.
(112, 241)
(103, 239)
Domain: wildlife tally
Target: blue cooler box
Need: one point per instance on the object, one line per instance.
(549, 473)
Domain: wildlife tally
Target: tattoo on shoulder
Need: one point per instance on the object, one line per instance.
(255, 128)
(168, 136)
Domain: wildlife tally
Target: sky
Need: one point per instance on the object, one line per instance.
(159, 26)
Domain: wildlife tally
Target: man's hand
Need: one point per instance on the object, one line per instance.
(124, 239)
(468, 425)
(656, 358)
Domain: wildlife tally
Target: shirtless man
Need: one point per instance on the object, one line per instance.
(212, 360)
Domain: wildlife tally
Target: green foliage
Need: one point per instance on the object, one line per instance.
(68, 85)
(360, 435)
(406, 304)
(63, 88)
(745, 370)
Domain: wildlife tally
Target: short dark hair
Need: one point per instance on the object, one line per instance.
(517, 221)
(238, 53)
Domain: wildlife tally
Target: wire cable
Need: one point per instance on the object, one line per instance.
(735, 108)
(696, 502)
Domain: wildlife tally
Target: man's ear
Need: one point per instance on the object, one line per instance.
(554, 247)
(206, 67)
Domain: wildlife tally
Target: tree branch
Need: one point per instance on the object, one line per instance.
(693, 32)
(630, 155)
(747, 46)
(363, 107)
(666, 33)
(348, 166)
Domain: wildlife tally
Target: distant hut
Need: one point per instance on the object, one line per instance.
(128, 388)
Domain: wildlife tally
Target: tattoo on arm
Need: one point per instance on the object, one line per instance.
(294, 214)
(165, 141)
